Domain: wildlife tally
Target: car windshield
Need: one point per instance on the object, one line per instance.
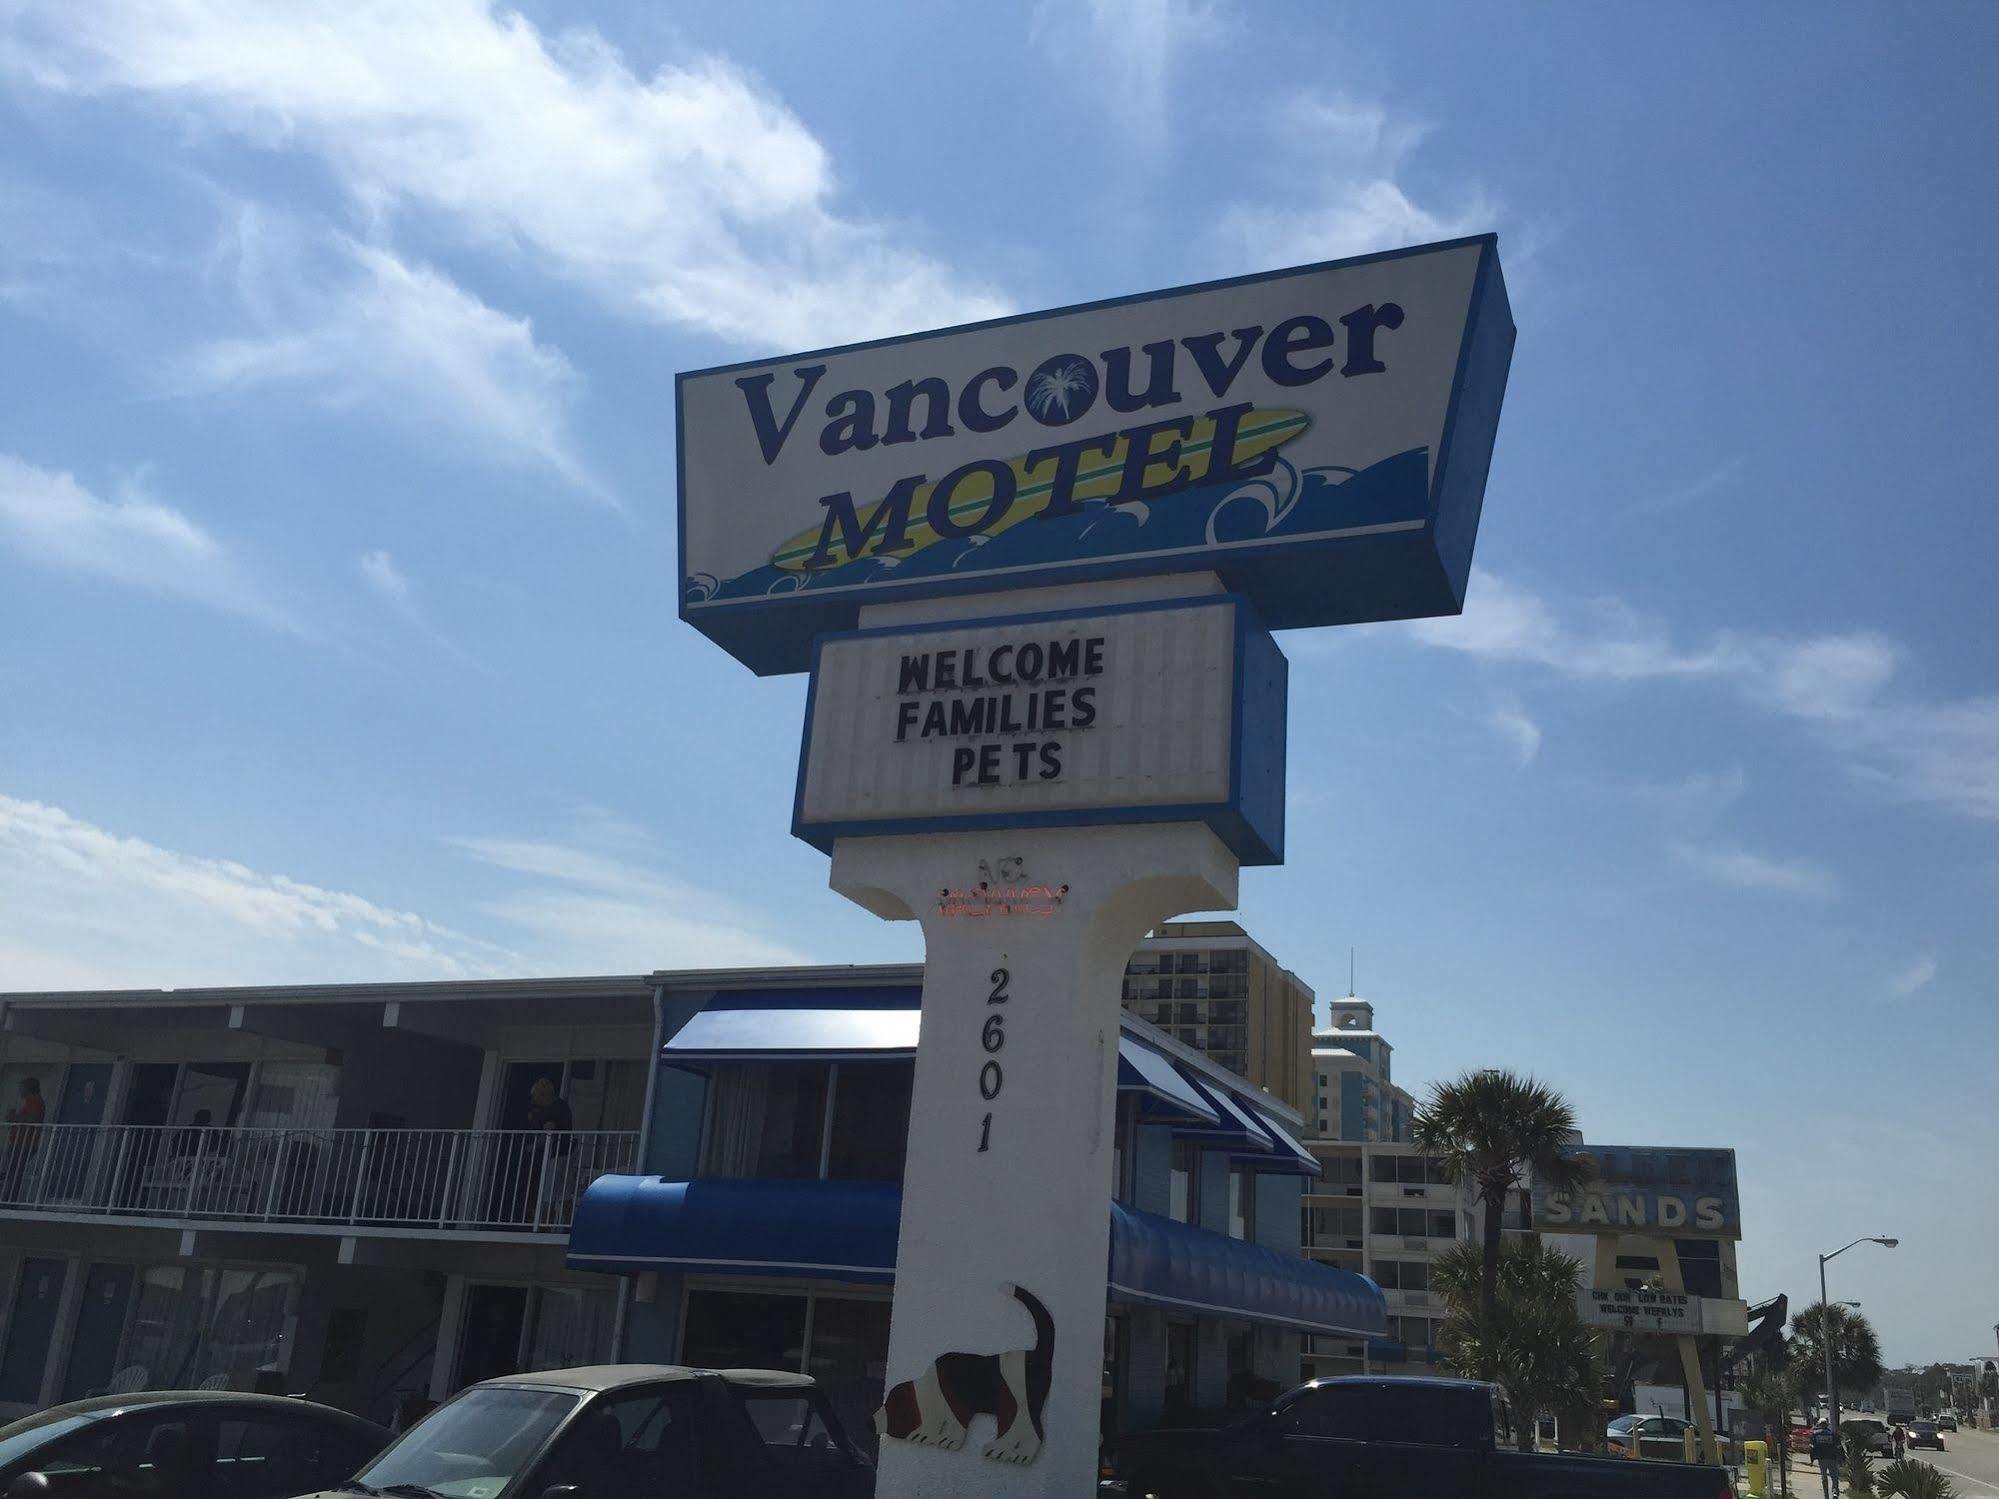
(17, 1438)
(472, 1447)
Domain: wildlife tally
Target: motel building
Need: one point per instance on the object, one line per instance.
(761, 1229)
(337, 1191)
(331, 1191)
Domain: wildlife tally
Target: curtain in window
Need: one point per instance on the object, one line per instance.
(572, 1326)
(250, 1330)
(294, 1095)
(736, 1125)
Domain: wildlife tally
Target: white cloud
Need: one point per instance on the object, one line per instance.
(1680, 496)
(1946, 753)
(361, 327)
(1742, 870)
(1129, 50)
(691, 195)
(1916, 976)
(1512, 724)
(385, 577)
(595, 912)
(382, 575)
(1342, 193)
(134, 539)
(82, 906)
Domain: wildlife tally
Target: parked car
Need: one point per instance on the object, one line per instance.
(1647, 1436)
(1947, 1422)
(183, 1444)
(1924, 1434)
(1389, 1438)
(1879, 1440)
(613, 1430)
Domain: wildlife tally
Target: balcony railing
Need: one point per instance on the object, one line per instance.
(482, 1179)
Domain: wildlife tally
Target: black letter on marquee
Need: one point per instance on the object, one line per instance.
(1221, 452)
(1206, 347)
(1068, 458)
(1297, 335)
(1159, 389)
(1139, 457)
(1065, 657)
(915, 674)
(1001, 500)
(975, 416)
(962, 760)
(756, 392)
(936, 412)
(1360, 325)
(891, 517)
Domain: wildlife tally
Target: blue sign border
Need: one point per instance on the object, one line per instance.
(1250, 820)
(1339, 578)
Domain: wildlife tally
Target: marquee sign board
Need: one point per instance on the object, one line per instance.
(1648, 1189)
(1318, 437)
(1660, 1311)
(1169, 711)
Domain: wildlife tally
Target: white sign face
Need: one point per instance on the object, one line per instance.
(1124, 714)
(1320, 435)
(1660, 1311)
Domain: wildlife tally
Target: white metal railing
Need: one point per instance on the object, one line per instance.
(482, 1179)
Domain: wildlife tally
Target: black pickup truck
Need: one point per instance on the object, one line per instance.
(1367, 1438)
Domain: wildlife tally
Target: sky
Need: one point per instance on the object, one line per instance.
(337, 569)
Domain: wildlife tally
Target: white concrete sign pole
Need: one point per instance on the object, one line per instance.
(1008, 1182)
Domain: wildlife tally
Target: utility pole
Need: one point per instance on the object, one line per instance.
(1825, 1339)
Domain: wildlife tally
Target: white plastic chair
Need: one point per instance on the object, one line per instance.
(127, 1381)
(214, 1382)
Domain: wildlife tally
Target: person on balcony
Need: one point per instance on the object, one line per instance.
(24, 1133)
(548, 1111)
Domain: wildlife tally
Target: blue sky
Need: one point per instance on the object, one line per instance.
(337, 636)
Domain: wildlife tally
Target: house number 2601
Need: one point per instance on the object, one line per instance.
(992, 1037)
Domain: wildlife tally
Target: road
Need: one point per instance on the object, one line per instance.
(1971, 1458)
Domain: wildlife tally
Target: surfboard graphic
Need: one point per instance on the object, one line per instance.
(1261, 431)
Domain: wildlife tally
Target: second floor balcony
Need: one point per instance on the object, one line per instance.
(315, 1180)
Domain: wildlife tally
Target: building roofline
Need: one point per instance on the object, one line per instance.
(624, 985)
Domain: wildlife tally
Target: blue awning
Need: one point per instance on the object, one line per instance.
(1290, 1154)
(1234, 1124)
(792, 1026)
(826, 1229)
(1159, 1261)
(779, 1032)
(847, 1231)
(1166, 1093)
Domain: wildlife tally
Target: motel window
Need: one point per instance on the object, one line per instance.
(870, 1121)
(1183, 1182)
(1242, 1204)
(842, 1341)
(807, 1120)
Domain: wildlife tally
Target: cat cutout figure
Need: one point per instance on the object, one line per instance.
(935, 1408)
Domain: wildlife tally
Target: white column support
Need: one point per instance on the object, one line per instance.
(1012, 1121)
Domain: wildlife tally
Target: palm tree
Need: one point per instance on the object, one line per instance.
(1907, 1478)
(1856, 1460)
(1856, 1350)
(1772, 1394)
(1492, 1128)
(1534, 1342)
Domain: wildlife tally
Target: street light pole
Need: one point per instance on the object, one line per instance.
(1825, 1341)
